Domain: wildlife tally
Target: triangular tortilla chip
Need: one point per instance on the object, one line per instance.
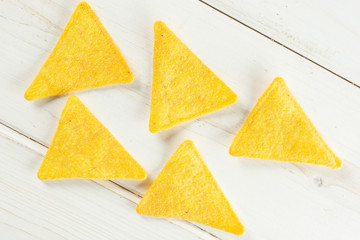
(183, 87)
(185, 189)
(84, 57)
(83, 148)
(278, 129)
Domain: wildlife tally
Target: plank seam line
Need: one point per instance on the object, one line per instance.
(277, 42)
(22, 134)
(185, 225)
(139, 195)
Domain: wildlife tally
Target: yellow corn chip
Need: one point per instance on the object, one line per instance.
(84, 57)
(83, 148)
(278, 129)
(183, 87)
(185, 189)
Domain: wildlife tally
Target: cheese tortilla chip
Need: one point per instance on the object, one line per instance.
(278, 129)
(183, 87)
(83, 148)
(185, 189)
(84, 57)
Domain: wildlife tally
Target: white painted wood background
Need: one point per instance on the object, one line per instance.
(312, 44)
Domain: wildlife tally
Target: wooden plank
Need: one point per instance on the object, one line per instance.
(111, 185)
(326, 32)
(274, 200)
(74, 209)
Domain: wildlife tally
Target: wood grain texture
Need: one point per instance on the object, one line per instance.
(274, 200)
(326, 32)
(120, 190)
(74, 209)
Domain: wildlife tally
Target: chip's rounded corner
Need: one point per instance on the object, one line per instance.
(188, 142)
(131, 77)
(240, 231)
(234, 98)
(83, 4)
(235, 227)
(28, 96)
(72, 98)
(235, 153)
(41, 176)
(279, 80)
(158, 23)
(232, 151)
(153, 129)
(138, 208)
(143, 176)
(338, 163)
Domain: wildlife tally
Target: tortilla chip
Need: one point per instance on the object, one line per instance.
(84, 57)
(183, 87)
(278, 129)
(83, 148)
(185, 189)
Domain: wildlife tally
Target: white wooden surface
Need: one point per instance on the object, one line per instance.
(274, 200)
(74, 209)
(327, 32)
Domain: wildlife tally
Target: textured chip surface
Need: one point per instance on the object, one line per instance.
(278, 129)
(183, 87)
(185, 189)
(83, 148)
(84, 57)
